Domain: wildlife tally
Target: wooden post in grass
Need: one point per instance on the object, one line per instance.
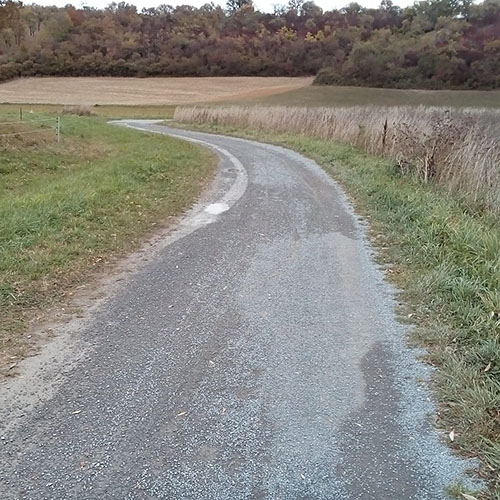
(20, 114)
(58, 129)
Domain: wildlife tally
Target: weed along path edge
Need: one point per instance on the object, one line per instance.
(256, 357)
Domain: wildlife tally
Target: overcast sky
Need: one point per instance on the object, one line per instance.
(263, 5)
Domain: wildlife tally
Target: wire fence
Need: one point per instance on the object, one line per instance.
(39, 122)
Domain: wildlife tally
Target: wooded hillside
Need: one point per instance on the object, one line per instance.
(433, 44)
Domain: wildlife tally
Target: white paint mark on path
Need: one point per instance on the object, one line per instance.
(217, 208)
(200, 215)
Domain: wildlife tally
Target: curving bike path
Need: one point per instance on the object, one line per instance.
(255, 356)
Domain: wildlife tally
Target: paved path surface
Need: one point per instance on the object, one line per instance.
(255, 356)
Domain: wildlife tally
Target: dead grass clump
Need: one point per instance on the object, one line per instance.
(19, 136)
(78, 110)
(456, 148)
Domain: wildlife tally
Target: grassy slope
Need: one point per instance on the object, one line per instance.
(445, 257)
(360, 96)
(65, 208)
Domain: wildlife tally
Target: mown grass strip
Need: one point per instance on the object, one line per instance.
(366, 96)
(105, 110)
(66, 208)
(444, 254)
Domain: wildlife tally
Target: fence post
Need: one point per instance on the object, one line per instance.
(58, 129)
(21, 114)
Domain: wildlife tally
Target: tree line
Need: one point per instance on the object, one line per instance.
(432, 44)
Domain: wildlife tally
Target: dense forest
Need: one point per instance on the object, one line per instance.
(432, 44)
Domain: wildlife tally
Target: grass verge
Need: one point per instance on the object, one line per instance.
(105, 110)
(444, 255)
(67, 208)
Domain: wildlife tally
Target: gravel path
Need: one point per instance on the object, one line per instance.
(256, 355)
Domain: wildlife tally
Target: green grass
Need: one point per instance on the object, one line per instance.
(363, 96)
(66, 209)
(444, 254)
(153, 112)
(105, 111)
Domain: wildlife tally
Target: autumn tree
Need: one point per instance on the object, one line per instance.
(431, 44)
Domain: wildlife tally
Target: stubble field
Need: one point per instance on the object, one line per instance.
(155, 95)
(144, 91)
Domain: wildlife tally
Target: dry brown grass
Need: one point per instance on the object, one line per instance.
(78, 110)
(457, 148)
(143, 91)
(15, 135)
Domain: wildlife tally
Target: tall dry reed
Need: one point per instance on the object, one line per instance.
(456, 148)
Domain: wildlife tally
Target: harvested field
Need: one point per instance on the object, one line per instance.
(143, 91)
